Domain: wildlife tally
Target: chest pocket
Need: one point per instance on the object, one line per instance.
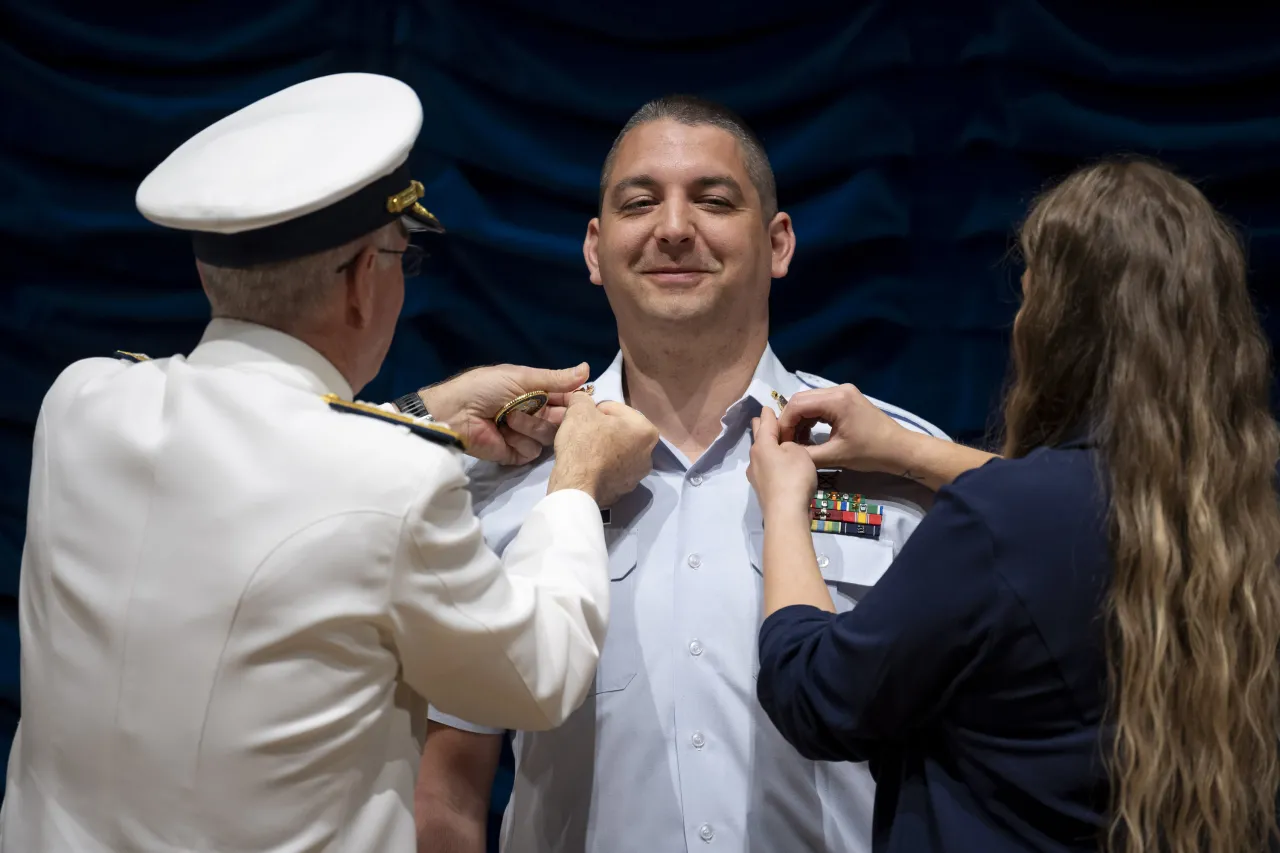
(850, 565)
(620, 657)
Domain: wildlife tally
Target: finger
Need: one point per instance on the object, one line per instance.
(552, 414)
(610, 407)
(559, 398)
(579, 398)
(526, 448)
(768, 430)
(820, 404)
(823, 455)
(538, 429)
(551, 381)
(755, 427)
(800, 433)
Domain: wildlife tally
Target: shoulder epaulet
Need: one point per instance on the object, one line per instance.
(814, 381)
(131, 356)
(429, 431)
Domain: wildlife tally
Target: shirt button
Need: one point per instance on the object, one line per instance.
(696, 480)
(706, 833)
(698, 740)
(823, 562)
(695, 648)
(694, 561)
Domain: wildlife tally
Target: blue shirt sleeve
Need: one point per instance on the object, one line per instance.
(837, 686)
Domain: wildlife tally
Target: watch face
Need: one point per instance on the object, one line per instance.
(530, 404)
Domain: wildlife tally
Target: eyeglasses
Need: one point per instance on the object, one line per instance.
(411, 257)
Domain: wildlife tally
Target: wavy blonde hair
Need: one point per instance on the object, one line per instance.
(1137, 326)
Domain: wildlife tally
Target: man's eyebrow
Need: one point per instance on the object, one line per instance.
(647, 182)
(725, 181)
(642, 182)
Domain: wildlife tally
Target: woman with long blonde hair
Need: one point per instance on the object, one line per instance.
(1077, 649)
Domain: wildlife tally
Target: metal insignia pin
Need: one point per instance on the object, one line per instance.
(781, 400)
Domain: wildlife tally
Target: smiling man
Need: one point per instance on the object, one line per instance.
(672, 751)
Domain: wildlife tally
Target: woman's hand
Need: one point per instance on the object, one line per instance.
(863, 438)
(785, 479)
(782, 473)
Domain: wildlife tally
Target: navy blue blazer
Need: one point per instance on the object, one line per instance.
(972, 676)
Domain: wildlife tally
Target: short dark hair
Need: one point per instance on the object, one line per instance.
(692, 111)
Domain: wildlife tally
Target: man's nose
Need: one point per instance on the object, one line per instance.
(675, 227)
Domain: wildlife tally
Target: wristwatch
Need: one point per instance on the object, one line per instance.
(412, 405)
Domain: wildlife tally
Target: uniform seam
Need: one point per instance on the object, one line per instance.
(226, 640)
(446, 589)
(1006, 586)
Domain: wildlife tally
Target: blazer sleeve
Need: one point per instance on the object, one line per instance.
(509, 643)
(838, 686)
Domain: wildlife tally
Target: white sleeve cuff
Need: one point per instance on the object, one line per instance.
(459, 723)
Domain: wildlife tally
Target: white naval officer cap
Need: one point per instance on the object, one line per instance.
(309, 168)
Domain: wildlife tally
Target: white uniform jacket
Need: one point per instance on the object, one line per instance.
(236, 600)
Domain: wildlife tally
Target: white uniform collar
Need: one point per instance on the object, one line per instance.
(769, 376)
(235, 343)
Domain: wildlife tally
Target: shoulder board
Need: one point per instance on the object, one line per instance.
(131, 356)
(900, 415)
(429, 431)
(814, 381)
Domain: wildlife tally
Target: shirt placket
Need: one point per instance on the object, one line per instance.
(708, 714)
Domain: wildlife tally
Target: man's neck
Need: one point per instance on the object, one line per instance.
(337, 349)
(685, 387)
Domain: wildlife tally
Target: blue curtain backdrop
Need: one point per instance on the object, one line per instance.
(907, 137)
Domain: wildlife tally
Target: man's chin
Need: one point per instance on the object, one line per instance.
(691, 311)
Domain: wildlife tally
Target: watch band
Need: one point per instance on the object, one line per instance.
(412, 405)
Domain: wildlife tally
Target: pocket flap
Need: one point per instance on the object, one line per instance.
(841, 559)
(622, 556)
(848, 559)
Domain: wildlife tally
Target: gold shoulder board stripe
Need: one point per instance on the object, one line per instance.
(132, 356)
(429, 431)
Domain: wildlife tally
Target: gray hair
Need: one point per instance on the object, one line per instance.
(693, 111)
(283, 294)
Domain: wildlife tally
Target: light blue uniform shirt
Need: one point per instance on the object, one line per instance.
(673, 752)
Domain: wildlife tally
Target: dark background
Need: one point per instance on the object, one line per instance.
(907, 138)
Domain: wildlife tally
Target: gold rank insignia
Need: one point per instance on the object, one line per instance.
(530, 404)
(431, 432)
(131, 356)
(779, 399)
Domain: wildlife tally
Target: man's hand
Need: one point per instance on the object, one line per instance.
(470, 401)
(604, 450)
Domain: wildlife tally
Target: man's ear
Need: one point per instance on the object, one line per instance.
(361, 288)
(782, 243)
(590, 254)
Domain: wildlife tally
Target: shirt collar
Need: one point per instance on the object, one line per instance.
(235, 343)
(769, 376)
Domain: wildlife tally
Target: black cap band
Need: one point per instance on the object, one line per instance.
(363, 212)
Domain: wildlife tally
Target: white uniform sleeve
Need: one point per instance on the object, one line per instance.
(505, 643)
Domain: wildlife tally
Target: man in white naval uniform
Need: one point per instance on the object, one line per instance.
(672, 752)
(239, 587)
